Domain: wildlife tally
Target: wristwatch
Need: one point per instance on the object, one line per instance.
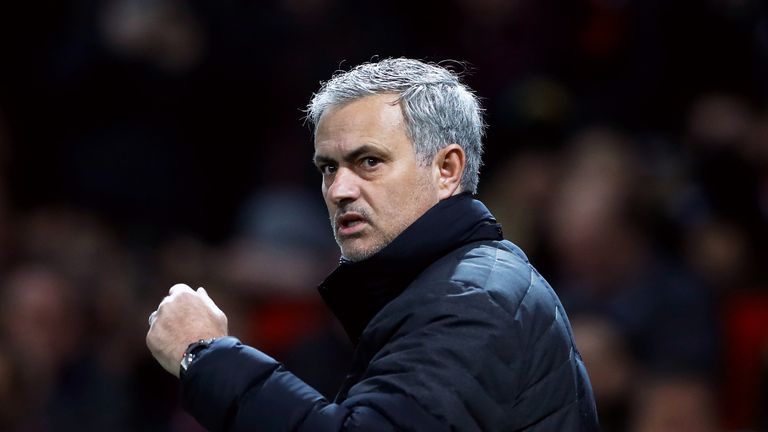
(193, 351)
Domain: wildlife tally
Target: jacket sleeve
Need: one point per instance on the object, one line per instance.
(234, 387)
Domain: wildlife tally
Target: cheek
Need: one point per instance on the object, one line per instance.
(331, 208)
(324, 191)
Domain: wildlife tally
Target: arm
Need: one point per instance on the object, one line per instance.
(233, 387)
(470, 361)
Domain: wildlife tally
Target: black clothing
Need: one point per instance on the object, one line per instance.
(454, 330)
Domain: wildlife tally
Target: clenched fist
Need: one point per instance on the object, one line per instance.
(183, 317)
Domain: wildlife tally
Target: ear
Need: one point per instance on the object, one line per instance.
(449, 168)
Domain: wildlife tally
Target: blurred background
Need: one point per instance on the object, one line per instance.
(149, 142)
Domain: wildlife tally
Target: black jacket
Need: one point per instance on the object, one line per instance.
(454, 330)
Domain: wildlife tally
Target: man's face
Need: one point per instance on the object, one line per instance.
(372, 183)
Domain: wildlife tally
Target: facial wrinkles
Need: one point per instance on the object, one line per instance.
(358, 254)
(392, 211)
(393, 198)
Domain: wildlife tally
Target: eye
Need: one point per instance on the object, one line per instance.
(370, 162)
(326, 169)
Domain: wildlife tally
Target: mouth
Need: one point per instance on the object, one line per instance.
(350, 223)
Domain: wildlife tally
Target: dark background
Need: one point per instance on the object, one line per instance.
(149, 142)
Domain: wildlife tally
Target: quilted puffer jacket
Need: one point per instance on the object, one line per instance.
(454, 331)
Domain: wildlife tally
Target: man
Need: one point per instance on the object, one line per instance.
(453, 328)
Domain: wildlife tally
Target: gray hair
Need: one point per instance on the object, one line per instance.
(438, 109)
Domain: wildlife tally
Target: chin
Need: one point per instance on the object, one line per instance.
(360, 252)
(356, 255)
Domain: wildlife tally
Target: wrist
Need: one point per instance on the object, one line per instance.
(192, 353)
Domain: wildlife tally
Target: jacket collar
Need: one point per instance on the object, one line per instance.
(356, 291)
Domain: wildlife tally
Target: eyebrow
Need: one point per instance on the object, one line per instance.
(349, 157)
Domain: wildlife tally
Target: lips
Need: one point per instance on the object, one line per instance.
(350, 223)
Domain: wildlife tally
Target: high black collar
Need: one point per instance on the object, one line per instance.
(356, 291)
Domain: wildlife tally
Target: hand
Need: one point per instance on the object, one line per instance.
(183, 317)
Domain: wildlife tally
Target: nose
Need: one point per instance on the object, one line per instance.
(344, 187)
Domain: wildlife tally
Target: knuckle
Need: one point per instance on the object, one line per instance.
(187, 295)
(179, 287)
(163, 306)
(164, 302)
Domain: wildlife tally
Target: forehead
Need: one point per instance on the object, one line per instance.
(372, 118)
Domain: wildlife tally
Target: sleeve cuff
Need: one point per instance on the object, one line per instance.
(224, 371)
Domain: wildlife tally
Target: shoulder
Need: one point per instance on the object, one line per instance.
(483, 322)
(489, 284)
(497, 270)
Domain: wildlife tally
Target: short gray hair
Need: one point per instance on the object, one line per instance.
(438, 109)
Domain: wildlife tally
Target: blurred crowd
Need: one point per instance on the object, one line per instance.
(145, 143)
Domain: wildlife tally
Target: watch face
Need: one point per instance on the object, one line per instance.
(186, 361)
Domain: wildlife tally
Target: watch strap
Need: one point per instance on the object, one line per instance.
(192, 353)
